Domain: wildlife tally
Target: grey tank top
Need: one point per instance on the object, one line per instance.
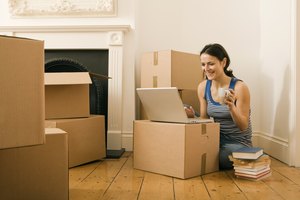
(229, 132)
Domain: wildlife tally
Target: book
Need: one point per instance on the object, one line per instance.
(252, 164)
(252, 169)
(257, 178)
(251, 172)
(250, 153)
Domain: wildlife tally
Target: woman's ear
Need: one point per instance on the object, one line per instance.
(224, 61)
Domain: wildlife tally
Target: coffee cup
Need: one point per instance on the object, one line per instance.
(222, 93)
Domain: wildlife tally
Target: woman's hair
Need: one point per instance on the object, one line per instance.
(220, 53)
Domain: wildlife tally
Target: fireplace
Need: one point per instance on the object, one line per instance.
(90, 37)
(93, 61)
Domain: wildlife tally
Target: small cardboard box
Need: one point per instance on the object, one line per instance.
(177, 150)
(86, 138)
(36, 172)
(67, 95)
(171, 68)
(22, 111)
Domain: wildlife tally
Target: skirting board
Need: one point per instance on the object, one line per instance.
(118, 140)
(127, 141)
(275, 147)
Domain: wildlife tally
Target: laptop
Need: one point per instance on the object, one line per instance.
(164, 104)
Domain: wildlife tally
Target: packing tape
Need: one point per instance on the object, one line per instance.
(203, 163)
(154, 81)
(155, 58)
(203, 127)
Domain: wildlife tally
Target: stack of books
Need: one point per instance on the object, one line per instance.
(251, 163)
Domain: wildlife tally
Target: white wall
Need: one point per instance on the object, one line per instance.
(275, 78)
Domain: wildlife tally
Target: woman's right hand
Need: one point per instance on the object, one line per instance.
(189, 111)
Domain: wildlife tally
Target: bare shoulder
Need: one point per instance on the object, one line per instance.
(242, 88)
(202, 85)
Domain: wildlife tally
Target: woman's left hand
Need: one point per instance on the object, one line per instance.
(230, 98)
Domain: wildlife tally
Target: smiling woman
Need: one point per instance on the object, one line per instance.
(99, 8)
(233, 113)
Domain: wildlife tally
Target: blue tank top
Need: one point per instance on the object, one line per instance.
(229, 132)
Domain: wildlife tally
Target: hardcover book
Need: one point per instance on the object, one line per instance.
(263, 160)
(255, 178)
(251, 172)
(251, 153)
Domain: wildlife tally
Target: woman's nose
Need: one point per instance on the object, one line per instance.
(205, 67)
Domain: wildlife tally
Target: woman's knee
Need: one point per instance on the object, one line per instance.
(224, 161)
(225, 151)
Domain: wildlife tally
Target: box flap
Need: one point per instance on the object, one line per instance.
(99, 76)
(54, 131)
(67, 78)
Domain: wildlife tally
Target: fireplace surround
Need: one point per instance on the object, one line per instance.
(109, 37)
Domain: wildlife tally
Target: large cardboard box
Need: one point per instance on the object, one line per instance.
(36, 172)
(67, 95)
(86, 138)
(171, 68)
(177, 150)
(22, 110)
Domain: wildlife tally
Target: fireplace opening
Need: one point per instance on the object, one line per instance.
(95, 61)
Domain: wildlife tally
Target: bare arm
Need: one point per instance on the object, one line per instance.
(203, 103)
(240, 110)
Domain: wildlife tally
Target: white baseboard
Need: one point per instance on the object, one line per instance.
(114, 140)
(127, 141)
(272, 145)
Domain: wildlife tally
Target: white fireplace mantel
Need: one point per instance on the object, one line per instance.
(64, 28)
(88, 37)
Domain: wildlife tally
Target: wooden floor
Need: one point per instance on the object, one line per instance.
(116, 179)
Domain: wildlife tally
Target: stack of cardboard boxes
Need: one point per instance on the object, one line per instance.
(173, 149)
(67, 107)
(34, 161)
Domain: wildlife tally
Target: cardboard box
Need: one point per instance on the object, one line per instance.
(36, 172)
(22, 110)
(67, 95)
(86, 138)
(171, 68)
(177, 150)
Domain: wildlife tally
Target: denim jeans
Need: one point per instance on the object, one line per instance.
(226, 150)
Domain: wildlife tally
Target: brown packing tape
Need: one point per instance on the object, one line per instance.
(155, 58)
(154, 81)
(203, 163)
(203, 127)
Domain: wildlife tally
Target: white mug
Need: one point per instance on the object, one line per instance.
(222, 93)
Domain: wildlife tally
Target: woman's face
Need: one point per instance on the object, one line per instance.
(212, 67)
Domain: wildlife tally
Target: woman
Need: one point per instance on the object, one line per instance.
(232, 112)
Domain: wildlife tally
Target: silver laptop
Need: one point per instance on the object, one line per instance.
(165, 105)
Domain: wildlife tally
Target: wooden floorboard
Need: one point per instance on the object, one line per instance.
(156, 186)
(221, 186)
(191, 189)
(117, 179)
(127, 183)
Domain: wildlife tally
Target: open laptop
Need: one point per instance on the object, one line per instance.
(165, 105)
